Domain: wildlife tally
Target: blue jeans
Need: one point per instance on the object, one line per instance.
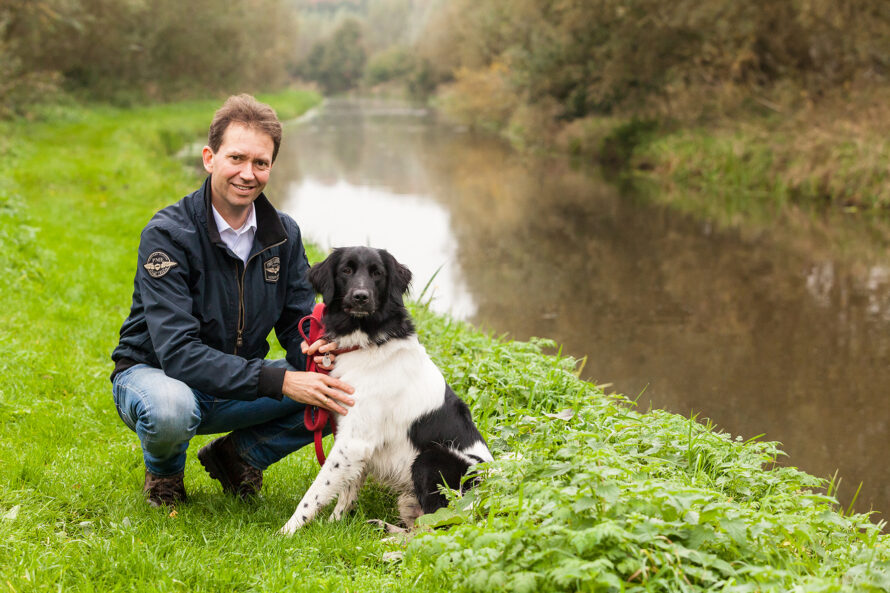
(166, 413)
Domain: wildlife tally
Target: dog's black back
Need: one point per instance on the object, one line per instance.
(437, 435)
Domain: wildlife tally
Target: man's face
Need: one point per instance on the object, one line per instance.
(240, 168)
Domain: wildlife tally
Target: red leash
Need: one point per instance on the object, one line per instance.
(315, 418)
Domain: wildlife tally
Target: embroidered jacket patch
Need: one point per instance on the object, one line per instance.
(271, 269)
(158, 264)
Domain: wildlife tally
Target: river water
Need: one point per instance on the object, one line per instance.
(757, 335)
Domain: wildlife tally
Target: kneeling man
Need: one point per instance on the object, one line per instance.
(217, 271)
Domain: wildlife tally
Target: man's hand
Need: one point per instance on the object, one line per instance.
(316, 389)
(322, 347)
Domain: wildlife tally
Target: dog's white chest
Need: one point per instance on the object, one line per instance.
(395, 384)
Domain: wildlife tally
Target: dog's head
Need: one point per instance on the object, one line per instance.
(363, 288)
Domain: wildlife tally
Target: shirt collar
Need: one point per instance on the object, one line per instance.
(222, 225)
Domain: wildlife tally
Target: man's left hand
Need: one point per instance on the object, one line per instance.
(320, 350)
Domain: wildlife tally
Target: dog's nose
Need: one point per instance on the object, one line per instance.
(360, 297)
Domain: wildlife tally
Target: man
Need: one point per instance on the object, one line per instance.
(217, 271)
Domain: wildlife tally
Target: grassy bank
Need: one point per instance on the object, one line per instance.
(586, 494)
(795, 165)
(736, 159)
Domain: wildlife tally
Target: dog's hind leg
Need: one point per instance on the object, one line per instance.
(344, 466)
(347, 497)
(409, 509)
(433, 468)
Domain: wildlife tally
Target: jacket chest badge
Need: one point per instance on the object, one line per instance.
(271, 269)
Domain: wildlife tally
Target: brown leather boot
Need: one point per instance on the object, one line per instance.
(164, 490)
(223, 463)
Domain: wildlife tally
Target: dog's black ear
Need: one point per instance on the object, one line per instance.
(321, 276)
(399, 276)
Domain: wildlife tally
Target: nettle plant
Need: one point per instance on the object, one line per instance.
(588, 494)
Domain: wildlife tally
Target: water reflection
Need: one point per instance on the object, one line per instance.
(413, 228)
(756, 336)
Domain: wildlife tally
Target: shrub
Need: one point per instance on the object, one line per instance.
(481, 98)
(394, 63)
(337, 63)
(610, 56)
(129, 51)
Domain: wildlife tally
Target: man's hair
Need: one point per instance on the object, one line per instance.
(246, 110)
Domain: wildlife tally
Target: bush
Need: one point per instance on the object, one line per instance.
(612, 56)
(394, 63)
(337, 64)
(127, 51)
(481, 98)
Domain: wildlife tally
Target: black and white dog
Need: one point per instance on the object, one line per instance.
(407, 428)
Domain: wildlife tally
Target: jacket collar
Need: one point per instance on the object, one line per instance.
(269, 228)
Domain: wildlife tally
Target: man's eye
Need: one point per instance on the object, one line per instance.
(235, 157)
(261, 165)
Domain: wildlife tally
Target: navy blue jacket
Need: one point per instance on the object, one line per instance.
(202, 315)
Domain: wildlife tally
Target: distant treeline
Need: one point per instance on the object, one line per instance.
(567, 59)
(346, 45)
(136, 50)
(742, 106)
(501, 64)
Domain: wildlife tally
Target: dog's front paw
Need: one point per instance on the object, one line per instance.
(290, 527)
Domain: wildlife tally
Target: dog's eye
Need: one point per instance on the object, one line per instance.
(376, 272)
(346, 271)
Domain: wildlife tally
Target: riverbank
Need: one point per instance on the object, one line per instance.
(587, 493)
(739, 114)
(783, 165)
(792, 166)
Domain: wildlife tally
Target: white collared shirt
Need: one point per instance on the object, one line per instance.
(241, 240)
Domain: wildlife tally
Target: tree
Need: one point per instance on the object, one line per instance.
(337, 63)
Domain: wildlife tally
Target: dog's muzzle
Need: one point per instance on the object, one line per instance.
(359, 303)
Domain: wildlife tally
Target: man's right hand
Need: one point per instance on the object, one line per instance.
(316, 389)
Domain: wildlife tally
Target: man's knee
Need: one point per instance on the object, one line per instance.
(159, 408)
(172, 417)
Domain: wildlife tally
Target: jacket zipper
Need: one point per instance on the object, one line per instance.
(239, 341)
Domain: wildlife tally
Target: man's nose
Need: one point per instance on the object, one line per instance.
(247, 171)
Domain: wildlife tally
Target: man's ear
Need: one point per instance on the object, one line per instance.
(321, 276)
(398, 276)
(207, 157)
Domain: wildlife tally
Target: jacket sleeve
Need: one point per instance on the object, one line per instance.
(163, 278)
(299, 299)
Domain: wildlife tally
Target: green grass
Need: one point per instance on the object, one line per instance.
(815, 175)
(726, 178)
(816, 190)
(608, 499)
(791, 170)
